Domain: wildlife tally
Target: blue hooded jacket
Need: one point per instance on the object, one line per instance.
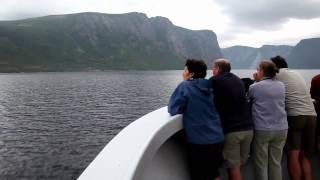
(201, 121)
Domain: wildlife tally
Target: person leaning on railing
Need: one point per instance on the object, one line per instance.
(232, 104)
(201, 122)
(267, 96)
(301, 119)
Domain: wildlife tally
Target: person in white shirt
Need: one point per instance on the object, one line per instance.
(301, 120)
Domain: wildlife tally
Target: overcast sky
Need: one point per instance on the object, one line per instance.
(236, 22)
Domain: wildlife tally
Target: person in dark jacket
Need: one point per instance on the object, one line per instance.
(193, 99)
(315, 94)
(233, 107)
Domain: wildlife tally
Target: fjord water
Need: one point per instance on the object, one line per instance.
(52, 125)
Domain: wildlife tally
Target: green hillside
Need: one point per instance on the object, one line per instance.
(94, 41)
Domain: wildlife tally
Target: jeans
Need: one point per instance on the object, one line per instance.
(267, 154)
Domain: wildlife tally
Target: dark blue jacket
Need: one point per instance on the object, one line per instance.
(201, 121)
(231, 102)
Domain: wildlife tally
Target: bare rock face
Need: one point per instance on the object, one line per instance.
(187, 43)
(158, 30)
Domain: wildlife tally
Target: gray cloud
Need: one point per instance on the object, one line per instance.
(268, 14)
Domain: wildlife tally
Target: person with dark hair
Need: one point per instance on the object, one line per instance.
(201, 121)
(301, 119)
(280, 62)
(315, 94)
(232, 105)
(267, 96)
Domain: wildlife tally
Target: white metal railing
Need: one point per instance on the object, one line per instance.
(128, 152)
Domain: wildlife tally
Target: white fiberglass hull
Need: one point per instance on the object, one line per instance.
(152, 148)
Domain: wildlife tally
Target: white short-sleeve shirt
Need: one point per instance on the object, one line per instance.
(298, 99)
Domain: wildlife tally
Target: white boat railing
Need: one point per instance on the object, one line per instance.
(129, 153)
(151, 148)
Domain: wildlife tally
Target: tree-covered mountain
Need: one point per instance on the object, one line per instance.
(95, 41)
(305, 55)
(244, 57)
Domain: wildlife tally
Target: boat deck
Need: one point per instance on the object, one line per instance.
(175, 144)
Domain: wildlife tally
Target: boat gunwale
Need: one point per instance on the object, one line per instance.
(129, 152)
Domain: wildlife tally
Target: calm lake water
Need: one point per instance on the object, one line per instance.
(52, 125)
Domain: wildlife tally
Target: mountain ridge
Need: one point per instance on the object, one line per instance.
(305, 55)
(96, 41)
(246, 57)
(92, 41)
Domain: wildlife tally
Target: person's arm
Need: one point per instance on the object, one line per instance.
(313, 89)
(251, 94)
(178, 101)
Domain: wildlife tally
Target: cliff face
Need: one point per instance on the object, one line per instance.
(305, 55)
(95, 41)
(243, 57)
(186, 43)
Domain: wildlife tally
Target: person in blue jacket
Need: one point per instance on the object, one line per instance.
(204, 134)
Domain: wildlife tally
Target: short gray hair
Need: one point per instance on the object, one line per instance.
(223, 64)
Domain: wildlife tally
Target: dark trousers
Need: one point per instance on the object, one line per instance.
(205, 160)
